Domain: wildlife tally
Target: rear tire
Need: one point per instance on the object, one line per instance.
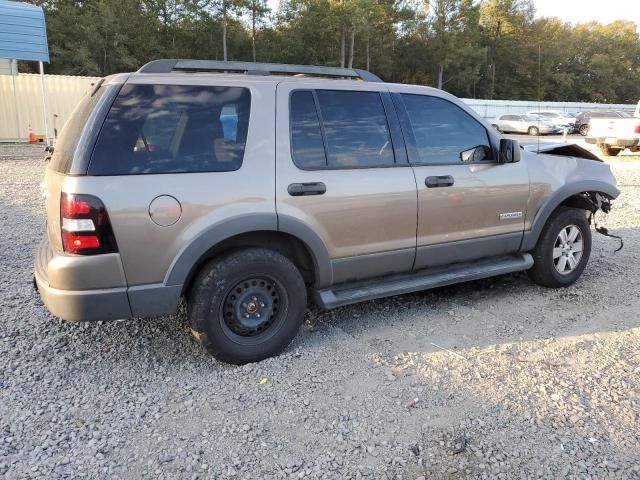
(560, 258)
(247, 305)
(608, 151)
(584, 129)
(534, 131)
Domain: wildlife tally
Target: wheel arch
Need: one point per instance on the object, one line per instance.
(296, 241)
(571, 195)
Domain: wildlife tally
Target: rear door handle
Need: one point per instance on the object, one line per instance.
(304, 189)
(439, 181)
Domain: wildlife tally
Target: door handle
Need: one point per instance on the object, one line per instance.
(439, 181)
(304, 189)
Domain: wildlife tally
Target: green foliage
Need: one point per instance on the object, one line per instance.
(472, 48)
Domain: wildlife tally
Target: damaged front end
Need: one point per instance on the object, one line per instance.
(571, 176)
(592, 202)
(563, 150)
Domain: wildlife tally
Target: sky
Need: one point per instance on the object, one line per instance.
(578, 10)
(589, 10)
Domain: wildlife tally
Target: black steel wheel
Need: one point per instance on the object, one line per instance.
(254, 305)
(247, 305)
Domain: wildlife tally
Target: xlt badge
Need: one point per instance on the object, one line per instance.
(510, 215)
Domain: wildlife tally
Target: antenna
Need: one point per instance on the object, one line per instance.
(539, 94)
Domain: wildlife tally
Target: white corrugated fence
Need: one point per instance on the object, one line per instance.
(494, 108)
(22, 107)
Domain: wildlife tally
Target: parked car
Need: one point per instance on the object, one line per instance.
(613, 135)
(562, 119)
(315, 187)
(529, 124)
(583, 118)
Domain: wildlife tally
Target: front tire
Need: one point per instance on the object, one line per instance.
(247, 305)
(563, 249)
(608, 151)
(584, 129)
(534, 131)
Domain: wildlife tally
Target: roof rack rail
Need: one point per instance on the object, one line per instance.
(250, 68)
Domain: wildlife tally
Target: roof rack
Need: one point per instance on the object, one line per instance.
(250, 68)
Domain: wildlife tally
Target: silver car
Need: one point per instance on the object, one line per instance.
(249, 194)
(566, 121)
(529, 124)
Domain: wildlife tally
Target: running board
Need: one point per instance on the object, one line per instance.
(355, 292)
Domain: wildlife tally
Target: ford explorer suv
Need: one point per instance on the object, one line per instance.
(250, 190)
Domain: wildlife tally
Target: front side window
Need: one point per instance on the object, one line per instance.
(173, 129)
(339, 129)
(443, 132)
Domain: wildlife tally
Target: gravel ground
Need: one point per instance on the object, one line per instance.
(491, 379)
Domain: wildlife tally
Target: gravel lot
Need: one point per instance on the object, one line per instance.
(535, 383)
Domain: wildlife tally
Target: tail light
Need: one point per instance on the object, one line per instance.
(86, 229)
(637, 130)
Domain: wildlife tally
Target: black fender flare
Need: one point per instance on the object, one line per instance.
(184, 262)
(554, 201)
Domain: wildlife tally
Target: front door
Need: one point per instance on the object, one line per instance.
(341, 171)
(469, 205)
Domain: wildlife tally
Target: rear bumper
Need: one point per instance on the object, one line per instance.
(91, 288)
(613, 141)
(84, 305)
(53, 271)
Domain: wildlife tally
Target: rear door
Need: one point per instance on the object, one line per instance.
(519, 124)
(342, 172)
(469, 206)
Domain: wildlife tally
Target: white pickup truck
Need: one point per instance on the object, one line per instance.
(613, 135)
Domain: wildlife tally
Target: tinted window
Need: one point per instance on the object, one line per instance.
(172, 129)
(355, 128)
(443, 132)
(306, 136)
(68, 139)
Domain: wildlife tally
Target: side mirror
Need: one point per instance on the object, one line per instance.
(509, 151)
(476, 154)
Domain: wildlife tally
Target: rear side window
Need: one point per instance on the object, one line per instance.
(442, 131)
(306, 136)
(340, 129)
(173, 129)
(68, 140)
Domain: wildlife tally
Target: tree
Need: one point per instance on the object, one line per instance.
(485, 49)
(258, 9)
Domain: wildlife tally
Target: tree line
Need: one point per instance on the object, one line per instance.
(475, 49)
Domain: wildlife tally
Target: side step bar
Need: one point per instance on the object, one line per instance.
(349, 293)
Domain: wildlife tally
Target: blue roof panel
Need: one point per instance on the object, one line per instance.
(23, 32)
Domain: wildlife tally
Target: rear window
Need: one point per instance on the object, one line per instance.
(68, 140)
(173, 129)
(339, 129)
